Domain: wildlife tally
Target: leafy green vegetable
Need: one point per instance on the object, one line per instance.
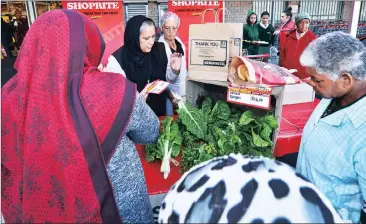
(221, 111)
(266, 132)
(170, 140)
(270, 120)
(209, 132)
(207, 106)
(193, 119)
(246, 118)
(258, 141)
(152, 153)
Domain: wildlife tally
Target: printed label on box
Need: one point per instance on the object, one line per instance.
(234, 44)
(208, 52)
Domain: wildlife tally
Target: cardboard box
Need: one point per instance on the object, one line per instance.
(210, 48)
(298, 93)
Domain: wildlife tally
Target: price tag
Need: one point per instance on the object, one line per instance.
(254, 96)
(156, 87)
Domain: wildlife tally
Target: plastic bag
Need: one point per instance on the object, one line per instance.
(260, 73)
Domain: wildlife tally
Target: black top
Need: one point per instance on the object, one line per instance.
(334, 106)
(266, 34)
(143, 68)
(179, 48)
(6, 33)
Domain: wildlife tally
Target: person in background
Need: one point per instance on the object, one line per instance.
(69, 130)
(333, 147)
(173, 44)
(143, 61)
(15, 22)
(22, 29)
(287, 23)
(266, 31)
(243, 189)
(251, 34)
(294, 44)
(6, 37)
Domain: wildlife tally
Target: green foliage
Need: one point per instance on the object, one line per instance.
(213, 131)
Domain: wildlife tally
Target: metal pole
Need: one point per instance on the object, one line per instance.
(272, 12)
(353, 18)
(29, 5)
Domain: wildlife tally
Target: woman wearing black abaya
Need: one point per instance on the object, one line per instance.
(143, 60)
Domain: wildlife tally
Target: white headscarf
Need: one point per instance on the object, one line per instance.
(170, 16)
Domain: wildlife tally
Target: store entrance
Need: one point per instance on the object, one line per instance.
(17, 16)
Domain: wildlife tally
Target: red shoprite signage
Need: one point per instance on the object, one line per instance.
(109, 18)
(195, 12)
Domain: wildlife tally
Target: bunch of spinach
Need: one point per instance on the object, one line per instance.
(211, 131)
(225, 130)
(167, 146)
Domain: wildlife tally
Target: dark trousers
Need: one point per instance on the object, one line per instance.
(7, 49)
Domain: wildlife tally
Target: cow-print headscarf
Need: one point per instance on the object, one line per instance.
(242, 189)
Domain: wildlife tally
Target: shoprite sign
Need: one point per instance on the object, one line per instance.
(92, 5)
(196, 3)
(108, 16)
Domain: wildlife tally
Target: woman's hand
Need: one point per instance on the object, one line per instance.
(176, 62)
(144, 93)
(172, 99)
(276, 32)
(101, 67)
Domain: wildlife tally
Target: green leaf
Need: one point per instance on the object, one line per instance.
(236, 140)
(221, 143)
(207, 106)
(266, 133)
(221, 111)
(271, 121)
(189, 139)
(151, 151)
(165, 124)
(258, 141)
(246, 118)
(210, 136)
(175, 139)
(235, 116)
(193, 119)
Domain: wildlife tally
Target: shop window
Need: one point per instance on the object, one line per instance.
(363, 12)
(163, 8)
(134, 9)
(274, 8)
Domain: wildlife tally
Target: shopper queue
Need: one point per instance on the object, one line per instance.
(69, 129)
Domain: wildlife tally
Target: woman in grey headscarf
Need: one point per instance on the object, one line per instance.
(173, 44)
(243, 189)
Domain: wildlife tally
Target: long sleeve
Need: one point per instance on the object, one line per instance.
(144, 126)
(171, 77)
(246, 38)
(114, 66)
(360, 168)
(282, 49)
(272, 30)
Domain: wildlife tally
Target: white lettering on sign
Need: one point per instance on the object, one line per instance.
(196, 3)
(113, 32)
(92, 5)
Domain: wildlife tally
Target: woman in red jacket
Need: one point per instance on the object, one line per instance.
(295, 43)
